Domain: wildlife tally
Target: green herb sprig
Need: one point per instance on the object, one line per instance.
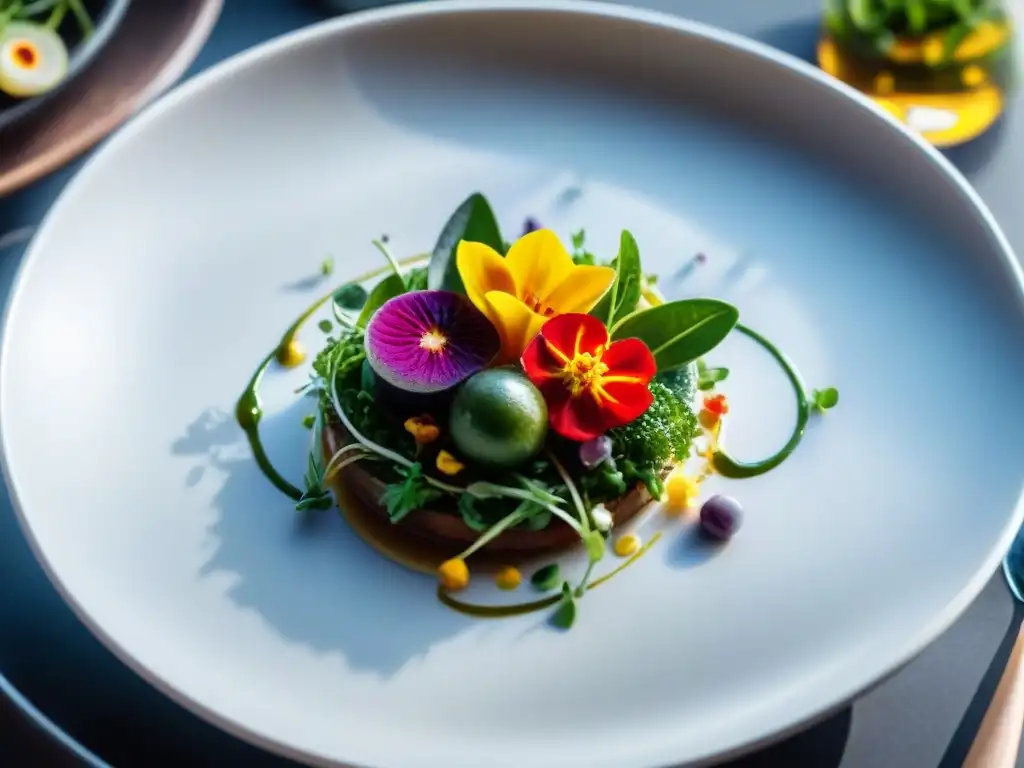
(410, 494)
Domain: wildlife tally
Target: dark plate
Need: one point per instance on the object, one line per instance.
(106, 15)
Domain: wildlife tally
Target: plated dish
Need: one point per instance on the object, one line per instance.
(44, 43)
(508, 399)
(287, 627)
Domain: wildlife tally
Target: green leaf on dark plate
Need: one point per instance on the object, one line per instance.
(622, 297)
(391, 286)
(473, 221)
(679, 332)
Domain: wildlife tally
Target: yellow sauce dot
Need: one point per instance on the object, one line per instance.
(627, 545)
(508, 577)
(884, 83)
(453, 574)
(973, 76)
(681, 492)
(291, 354)
(933, 50)
(827, 58)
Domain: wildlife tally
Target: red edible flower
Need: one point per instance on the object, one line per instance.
(716, 404)
(589, 385)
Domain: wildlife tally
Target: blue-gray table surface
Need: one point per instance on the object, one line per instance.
(924, 716)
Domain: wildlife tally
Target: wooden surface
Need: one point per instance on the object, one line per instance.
(998, 739)
(155, 44)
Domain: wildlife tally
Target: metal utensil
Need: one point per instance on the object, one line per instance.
(998, 740)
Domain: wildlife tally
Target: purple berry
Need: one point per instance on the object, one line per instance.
(595, 452)
(530, 225)
(721, 516)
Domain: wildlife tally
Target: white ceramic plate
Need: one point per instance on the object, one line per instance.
(172, 263)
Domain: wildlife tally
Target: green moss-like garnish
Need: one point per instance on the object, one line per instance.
(661, 435)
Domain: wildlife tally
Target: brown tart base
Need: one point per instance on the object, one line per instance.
(446, 529)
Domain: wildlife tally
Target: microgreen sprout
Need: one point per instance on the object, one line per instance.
(381, 246)
(707, 378)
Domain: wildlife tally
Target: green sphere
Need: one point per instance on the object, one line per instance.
(499, 418)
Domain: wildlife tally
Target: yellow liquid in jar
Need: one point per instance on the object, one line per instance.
(948, 96)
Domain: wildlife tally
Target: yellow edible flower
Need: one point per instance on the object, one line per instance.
(423, 429)
(534, 282)
(508, 577)
(453, 574)
(681, 491)
(449, 464)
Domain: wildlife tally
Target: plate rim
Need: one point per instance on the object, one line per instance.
(368, 19)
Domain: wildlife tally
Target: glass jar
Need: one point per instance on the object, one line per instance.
(943, 67)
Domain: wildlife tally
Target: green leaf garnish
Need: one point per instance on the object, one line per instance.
(471, 514)
(594, 543)
(565, 615)
(824, 399)
(308, 421)
(416, 279)
(410, 494)
(622, 297)
(917, 16)
(862, 14)
(679, 332)
(325, 326)
(327, 266)
(953, 37)
(391, 286)
(315, 496)
(538, 518)
(473, 221)
(546, 578)
(350, 297)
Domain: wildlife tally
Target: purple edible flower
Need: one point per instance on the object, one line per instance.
(429, 341)
(530, 225)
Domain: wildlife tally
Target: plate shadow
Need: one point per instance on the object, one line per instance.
(280, 563)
